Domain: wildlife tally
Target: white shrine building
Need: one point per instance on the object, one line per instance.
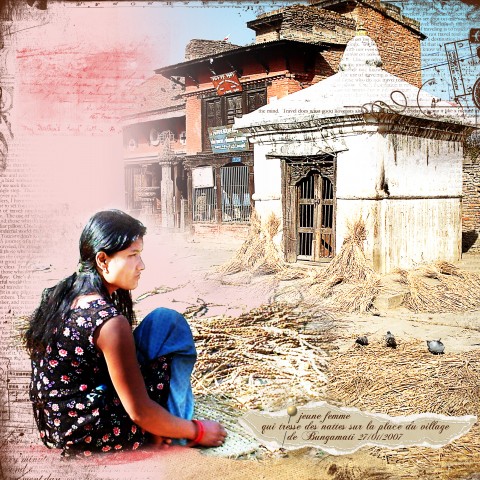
(361, 144)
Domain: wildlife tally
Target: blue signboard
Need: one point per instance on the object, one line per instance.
(225, 140)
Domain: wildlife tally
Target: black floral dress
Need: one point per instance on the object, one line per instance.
(75, 405)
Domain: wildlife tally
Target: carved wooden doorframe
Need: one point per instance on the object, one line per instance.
(309, 208)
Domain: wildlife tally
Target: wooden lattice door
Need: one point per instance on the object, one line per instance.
(315, 217)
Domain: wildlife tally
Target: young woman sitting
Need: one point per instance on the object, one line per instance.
(96, 385)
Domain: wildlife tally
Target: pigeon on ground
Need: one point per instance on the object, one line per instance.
(390, 340)
(362, 340)
(435, 346)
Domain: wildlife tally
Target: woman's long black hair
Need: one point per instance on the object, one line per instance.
(108, 231)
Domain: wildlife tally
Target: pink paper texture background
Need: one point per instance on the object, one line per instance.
(71, 70)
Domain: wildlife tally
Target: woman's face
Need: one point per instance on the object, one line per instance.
(123, 269)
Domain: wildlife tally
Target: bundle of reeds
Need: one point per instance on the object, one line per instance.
(348, 283)
(410, 380)
(259, 255)
(350, 263)
(264, 358)
(253, 254)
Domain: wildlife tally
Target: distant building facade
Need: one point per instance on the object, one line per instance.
(295, 47)
(154, 147)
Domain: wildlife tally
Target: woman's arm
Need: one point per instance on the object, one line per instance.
(114, 338)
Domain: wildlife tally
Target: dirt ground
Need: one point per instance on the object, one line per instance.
(186, 266)
(179, 275)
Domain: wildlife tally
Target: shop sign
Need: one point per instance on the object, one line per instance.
(202, 177)
(225, 140)
(226, 83)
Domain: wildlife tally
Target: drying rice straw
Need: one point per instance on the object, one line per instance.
(410, 380)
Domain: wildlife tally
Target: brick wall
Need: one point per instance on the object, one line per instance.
(194, 125)
(471, 204)
(327, 63)
(396, 36)
(268, 35)
(399, 47)
(283, 86)
(202, 48)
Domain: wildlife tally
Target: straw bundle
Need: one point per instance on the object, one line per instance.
(409, 380)
(264, 358)
(441, 287)
(259, 255)
(349, 283)
(350, 263)
(354, 297)
(253, 254)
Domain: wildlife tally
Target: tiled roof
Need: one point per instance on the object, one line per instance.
(157, 93)
(199, 48)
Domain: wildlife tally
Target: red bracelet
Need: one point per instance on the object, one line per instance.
(200, 431)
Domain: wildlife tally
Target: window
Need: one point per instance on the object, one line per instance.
(154, 137)
(235, 193)
(137, 177)
(204, 194)
(221, 111)
(204, 204)
(133, 180)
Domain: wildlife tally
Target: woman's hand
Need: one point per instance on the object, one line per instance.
(160, 442)
(115, 340)
(213, 434)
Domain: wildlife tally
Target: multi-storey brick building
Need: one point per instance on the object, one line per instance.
(295, 47)
(154, 147)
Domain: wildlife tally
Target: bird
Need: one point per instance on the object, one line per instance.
(390, 340)
(435, 346)
(362, 340)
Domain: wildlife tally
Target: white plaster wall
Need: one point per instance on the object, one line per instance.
(418, 220)
(421, 166)
(404, 233)
(419, 231)
(411, 166)
(358, 168)
(268, 183)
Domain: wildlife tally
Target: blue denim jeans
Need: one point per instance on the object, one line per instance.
(166, 332)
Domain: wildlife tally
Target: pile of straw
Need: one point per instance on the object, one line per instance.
(410, 380)
(441, 287)
(348, 283)
(264, 359)
(350, 264)
(259, 255)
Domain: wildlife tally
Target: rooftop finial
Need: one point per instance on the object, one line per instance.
(361, 52)
(361, 30)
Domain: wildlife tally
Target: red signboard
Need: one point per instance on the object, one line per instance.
(226, 83)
